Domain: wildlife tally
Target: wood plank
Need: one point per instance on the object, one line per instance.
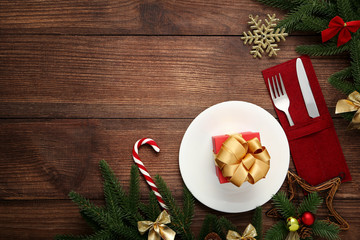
(138, 77)
(183, 17)
(43, 219)
(46, 159)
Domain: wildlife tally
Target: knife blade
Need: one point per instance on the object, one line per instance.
(306, 90)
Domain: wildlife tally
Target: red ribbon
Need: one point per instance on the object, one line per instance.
(337, 24)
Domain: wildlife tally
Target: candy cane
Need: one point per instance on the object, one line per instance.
(143, 169)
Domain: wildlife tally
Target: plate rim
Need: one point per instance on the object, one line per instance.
(204, 112)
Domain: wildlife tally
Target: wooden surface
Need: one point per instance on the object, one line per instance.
(81, 81)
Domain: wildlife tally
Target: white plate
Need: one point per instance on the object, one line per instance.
(196, 158)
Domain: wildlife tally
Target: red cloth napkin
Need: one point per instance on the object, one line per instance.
(314, 145)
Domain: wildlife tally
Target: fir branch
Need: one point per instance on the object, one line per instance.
(178, 223)
(338, 80)
(151, 210)
(257, 222)
(117, 204)
(285, 5)
(188, 207)
(312, 24)
(226, 225)
(346, 10)
(134, 194)
(278, 231)
(310, 203)
(322, 49)
(126, 232)
(207, 227)
(283, 205)
(94, 225)
(95, 213)
(294, 17)
(113, 183)
(326, 230)
(355, 57)
(324, 8)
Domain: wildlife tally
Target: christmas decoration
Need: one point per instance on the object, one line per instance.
(248, 234)
(157, 229)
(241, 160)
(351, 104)
(331, 186)
(315, 16)
(143, 169)
(123, 213)
(292, 224)
(264, 36)
(293, 230)
(119, 218)
(307, 218)
(337, 25)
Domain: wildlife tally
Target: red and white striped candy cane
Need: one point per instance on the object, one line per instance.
(144, 171)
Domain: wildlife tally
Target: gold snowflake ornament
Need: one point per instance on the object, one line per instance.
(264, 36)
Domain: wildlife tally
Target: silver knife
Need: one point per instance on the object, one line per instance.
(306, 90)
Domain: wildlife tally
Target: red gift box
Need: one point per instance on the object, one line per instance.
(218, 141)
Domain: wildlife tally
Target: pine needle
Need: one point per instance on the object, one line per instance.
(339, 80)
(188, 207)
(285, 5)
(346, 10)
(355, 57)
(97, 214)
(283, 205)
(207, 227)
(257, 222)
(278, 231)
(322, 49)
(134, 195)
(179, 225)
(326, 230)
(151, 210)
(310, 203)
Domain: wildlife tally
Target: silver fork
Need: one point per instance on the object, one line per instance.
(279, 97)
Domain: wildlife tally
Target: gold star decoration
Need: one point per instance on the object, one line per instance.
(330, 186)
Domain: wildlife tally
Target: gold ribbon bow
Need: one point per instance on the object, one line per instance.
(248, 234)
(241, 160)
(157, 229)
(351, 104)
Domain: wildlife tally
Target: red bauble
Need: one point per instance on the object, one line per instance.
(307, 218)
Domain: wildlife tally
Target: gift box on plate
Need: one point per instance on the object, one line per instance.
(240, 157)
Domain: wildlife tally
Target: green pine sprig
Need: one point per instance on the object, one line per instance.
(325, 230)
(326, 49)
(310, 203)
(340, 81)
(257, 222)
(152, 209)
(219, 225)
(283, 205)
(181, 217)
(285, 5)
(355, 60)
(208, 226)
(278, 231)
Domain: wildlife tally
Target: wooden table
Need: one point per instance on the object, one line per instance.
(81, 81)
